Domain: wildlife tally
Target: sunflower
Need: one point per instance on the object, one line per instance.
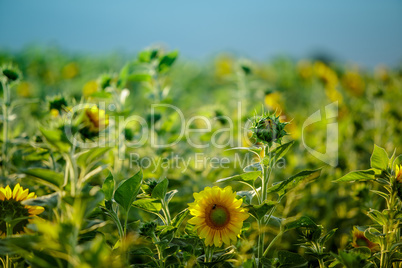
(94, 121)
(398, 173)
(218, 215)
(359, 240)
(11, 208)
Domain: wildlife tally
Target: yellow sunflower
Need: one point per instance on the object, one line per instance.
(12, 209)
(96, 119)
(359, 240)
(218, 215)
(398, 173)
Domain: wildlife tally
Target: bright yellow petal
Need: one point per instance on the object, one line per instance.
(22, 195)
(17, 189)
(204, 231)
(196, 220)
(209, 237)
(217, 239)
(31, 195)
(8, 192)
(225, 237)
(35, 210)
(2, 196)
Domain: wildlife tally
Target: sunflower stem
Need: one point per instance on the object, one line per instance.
(272, 243)
(209, 252)
(9, 233)
(165, 210)
(6, 105)
(261, 238)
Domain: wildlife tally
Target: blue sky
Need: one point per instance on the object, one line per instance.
(363, 31)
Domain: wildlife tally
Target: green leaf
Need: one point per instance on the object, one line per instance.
(160, 189)
(108, 187)
(253, 167)
(328, 235)
(248, 177)
(169, 195)
(91, 155)
(274, 221)
(379, 158)
(278, 153)
(139, 77)
(142, 251)
(56, 138)
(303, 221)
(254, 150)
(377, 216)
(167, 61)
(127, 191)
(373, 235)
(283, 187)
(179, 218)
(148, 204)
(259, 211)
(358, 176)
(46, 176)
(290, 259)
(246, 195)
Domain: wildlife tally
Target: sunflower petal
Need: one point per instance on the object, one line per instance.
(8, 192)
(22, 195)
(16, 190)
(35, 210)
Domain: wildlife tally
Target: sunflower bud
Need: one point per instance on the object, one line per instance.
(149, 185)
(105, 81)
(10, 73)
(268, 129)
(58, 103)
(360, 240)
(398, 180)
(148, 229)
(95, 120)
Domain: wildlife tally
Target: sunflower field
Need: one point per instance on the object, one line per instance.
(152, 160)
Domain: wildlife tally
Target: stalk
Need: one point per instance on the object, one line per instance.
(165, 210)
(261, 238)
(9, 233)
(321, 263)
(6, 105)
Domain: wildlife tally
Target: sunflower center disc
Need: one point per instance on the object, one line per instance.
(219, 216)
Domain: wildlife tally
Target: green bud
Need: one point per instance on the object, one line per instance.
(105, 81)
(148, 229)
(10, 73)
(268, 129)
(58, 103)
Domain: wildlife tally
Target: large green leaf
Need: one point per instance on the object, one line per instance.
(160, 189)
(277, 153)
(303, 221)
(56, 138)
(46, 176)
(379, 158)
(108, 187)
(253, 167)
(259, 211)
(91, 155)
(358, 176)
(148, 204)
(248, 177)
(289, 259)
(283, 187)
(167, 61)
(127, 191)
(179, 218)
